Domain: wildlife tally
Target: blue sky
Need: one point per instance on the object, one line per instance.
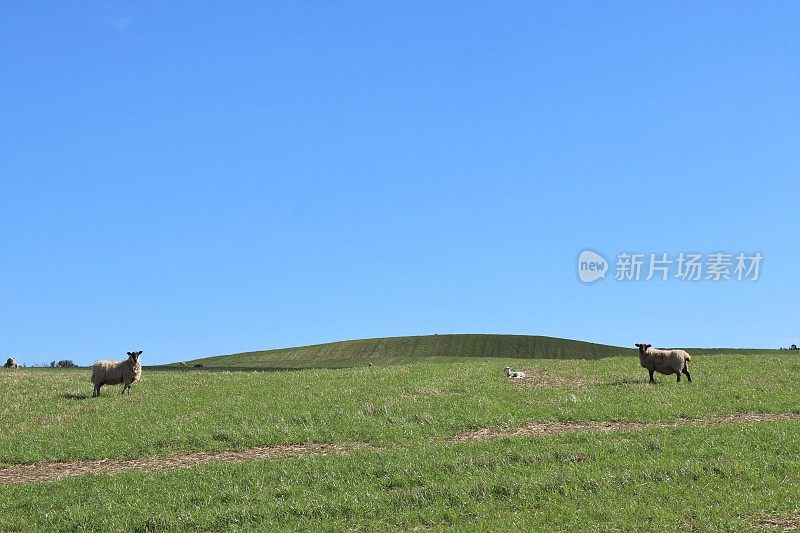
(193, 179)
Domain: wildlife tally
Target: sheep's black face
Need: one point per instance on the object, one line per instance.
(134, 356)
(643, 347)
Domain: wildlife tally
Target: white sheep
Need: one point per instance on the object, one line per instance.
(513, 374)
(11, 363)
(664, 361)
(126, 372)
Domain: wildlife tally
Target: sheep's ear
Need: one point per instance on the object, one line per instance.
(140, 352)
(648, 345)
(130, 353)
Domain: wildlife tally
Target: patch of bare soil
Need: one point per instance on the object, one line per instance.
(558, 428)
(539, 378)
(53, 471)
(779, 524)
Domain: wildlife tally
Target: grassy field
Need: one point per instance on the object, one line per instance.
(49, 415)
(405, 470)
(431, 348)
(692, 479)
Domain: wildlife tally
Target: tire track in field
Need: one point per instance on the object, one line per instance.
(791, 523)
(17, 474)
(559, 428)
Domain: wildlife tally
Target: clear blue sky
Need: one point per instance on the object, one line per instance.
(201, 178)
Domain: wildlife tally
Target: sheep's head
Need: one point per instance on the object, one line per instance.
(643, 348)
(507, 370)
(134, 356)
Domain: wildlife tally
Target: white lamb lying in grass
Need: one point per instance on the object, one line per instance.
(513, 374)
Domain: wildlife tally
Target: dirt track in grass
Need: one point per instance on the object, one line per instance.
(559, 428)
(41, 472)
(52, 471)
(778, 524)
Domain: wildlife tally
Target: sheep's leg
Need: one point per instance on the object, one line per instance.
(651, 377)
(679, 376)
(96, 391)
(686, 371)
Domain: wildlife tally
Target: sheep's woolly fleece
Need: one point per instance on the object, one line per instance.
(17, 474)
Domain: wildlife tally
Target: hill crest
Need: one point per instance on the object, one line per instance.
(394, 350)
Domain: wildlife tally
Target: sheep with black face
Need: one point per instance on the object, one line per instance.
(664, 361)
(126, 372)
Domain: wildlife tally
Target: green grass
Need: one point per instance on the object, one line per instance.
(431, 348)
(410, 476)
(722, 478)
(47, 415)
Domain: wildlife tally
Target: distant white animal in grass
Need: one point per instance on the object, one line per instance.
(126, 372)
(513, 374)
(11, 363)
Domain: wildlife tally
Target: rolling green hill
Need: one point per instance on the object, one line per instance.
(399, 350)
(394, 350)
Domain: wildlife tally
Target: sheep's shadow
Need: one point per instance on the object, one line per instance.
(68, 396)
(627, 381)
